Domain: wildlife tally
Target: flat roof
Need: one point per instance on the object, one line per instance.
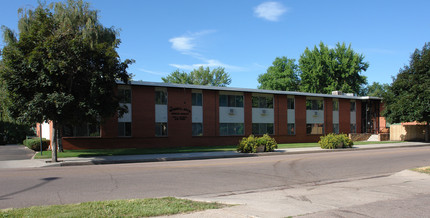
(232, 89)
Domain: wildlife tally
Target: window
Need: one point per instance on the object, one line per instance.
(314, 104)
(262, 128)
(262, 102)
(124, 129)
(196, 99)
(290, 103)
(353, 128)
(197, 129)
(291, 129)
(315, 129)
(336, 128)
(226, 129)
(160, 129)
(335, 105)
(231, 101)
(352, 106)
(124, 95)
(86, 130)
(160, 97)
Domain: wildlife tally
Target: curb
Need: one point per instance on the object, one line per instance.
(62, 163)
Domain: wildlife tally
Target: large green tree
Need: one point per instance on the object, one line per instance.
(375, 89)
(200, 76)
(284, 75)
(325, 69)
(62, 66)
(408, 97)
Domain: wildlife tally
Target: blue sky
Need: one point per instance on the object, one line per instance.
(245, 37)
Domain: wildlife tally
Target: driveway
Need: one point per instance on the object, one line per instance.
(15, 152)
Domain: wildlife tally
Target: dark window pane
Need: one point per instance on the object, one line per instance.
(232, 101)
(291, 129)
(255, 102)
(290, 103)
(223, 100)
(269, 102)
(197, 129)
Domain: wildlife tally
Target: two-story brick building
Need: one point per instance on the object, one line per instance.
(170, 115)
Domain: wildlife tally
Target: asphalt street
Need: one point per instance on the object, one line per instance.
(15, 152)
(215, 177)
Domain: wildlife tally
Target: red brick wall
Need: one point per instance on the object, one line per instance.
(210, 113)
(143, 111)
(328, 115)
(247, 104)
(344, 116)
(180, 130)
(300, 107)
(179, 115)
(281, 115)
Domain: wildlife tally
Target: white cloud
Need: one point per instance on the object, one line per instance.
(182, 43)
(152, 72)
(188, 45)
(211, 63)
(271, 11)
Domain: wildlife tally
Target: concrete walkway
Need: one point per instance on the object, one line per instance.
(33, 163)
(404, 194)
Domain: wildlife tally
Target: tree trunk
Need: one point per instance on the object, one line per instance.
(427, 137)
(59, 138)
(54, 141)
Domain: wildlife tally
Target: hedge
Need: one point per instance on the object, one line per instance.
(333, 141)
(34, 144)
(251, 143)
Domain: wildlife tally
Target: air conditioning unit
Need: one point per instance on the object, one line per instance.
(231, 111)
(263, 113)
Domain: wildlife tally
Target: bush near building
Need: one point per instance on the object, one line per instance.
(251, 144)
(34, 144)
(333, 141)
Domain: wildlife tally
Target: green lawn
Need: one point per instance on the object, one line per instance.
(115, 208)
(134, 151)
(422, 170)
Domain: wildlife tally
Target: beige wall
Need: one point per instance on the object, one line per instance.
(400, 132)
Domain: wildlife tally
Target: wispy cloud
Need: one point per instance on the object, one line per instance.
(152, 72)
(211, 63)
(187, 44)
(271, 11)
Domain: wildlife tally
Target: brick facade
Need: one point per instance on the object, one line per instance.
(179, 111)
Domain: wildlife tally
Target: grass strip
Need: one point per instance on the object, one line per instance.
(133, 151)
(116, 208)
(137, 151)
(422, 170)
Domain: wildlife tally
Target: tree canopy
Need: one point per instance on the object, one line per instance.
(62, 66)
(376, 89)
(321, 70)
(200, 76)
(282, 75)
(408, 97)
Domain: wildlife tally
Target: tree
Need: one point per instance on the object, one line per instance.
(63, 67)
(282, 75)
(200, 76)
(408, 97)
(375, 90)
(325, 70)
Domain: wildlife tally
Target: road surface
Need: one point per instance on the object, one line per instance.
(61, 185)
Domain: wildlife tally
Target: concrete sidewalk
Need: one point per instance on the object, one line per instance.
(34, 163)
(403, 194)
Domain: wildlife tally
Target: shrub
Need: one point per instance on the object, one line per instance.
(248, 145)
(333, 141)
(251, 143)
(34, 144)
(268, 142)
